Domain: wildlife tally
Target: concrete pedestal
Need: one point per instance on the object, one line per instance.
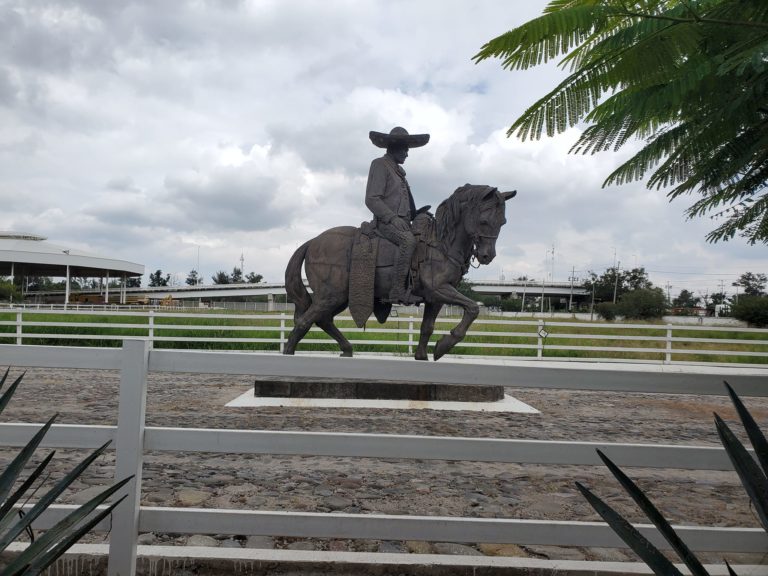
(285, 387)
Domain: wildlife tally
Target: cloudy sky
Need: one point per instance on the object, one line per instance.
(186, 132)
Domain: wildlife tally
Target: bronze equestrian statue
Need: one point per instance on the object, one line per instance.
(358, 267)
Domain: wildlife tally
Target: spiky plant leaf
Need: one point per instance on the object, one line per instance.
(49, 497)
(653, 514)
(42, 562)
(7, 511)
(43, 551)
(750, 474)
(756, 436)
(730, 570)
(6, 397)
(12, 471)
(5, 376)
(67, 526)
(648, 553)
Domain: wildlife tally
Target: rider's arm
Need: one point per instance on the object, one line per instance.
(374, 192)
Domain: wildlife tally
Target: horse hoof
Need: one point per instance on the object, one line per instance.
(421, 357)
(346, 354)
(442, 347)
(288, 352)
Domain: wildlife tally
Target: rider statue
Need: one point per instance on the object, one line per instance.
(389, 197)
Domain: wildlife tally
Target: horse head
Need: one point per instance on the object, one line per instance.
(484, 221)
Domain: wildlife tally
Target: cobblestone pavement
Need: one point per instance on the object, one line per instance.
(353, 485)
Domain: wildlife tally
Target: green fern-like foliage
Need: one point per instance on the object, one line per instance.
(688, 77)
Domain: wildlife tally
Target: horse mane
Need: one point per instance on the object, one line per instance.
(448, 215)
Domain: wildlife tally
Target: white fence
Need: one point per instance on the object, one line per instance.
(541, 339)
(136, 359)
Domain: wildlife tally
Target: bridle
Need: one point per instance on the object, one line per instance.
(477, 237)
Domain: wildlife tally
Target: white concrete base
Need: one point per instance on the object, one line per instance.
(508, 404)
(338, 560)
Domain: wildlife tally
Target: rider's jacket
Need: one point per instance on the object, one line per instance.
(388, 194)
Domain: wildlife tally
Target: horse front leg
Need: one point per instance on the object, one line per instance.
(431, 310)
(447, 294)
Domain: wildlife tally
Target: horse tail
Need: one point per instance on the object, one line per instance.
(294, 287)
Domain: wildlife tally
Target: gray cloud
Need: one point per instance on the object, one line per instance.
(230, 200)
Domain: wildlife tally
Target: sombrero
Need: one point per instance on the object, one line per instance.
(397, 136)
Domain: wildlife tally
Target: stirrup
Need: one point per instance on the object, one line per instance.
(405, 297)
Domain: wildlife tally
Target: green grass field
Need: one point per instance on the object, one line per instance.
(212, 330)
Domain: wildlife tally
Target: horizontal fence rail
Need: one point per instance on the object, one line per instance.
(382, 446)
(132, 439)
(533, 339)
(425, 528)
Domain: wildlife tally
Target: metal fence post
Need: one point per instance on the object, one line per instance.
(18, 327)
(129, 446)
(151, 334)
(282, 332)
(668, 356)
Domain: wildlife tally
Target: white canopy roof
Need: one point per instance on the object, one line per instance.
(30, 255)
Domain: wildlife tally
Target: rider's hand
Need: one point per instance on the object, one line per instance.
(400, 224)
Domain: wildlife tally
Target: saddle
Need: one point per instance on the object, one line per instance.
(370, 250)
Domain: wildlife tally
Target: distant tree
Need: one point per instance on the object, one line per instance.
(134, 282)
(752, 284)
(253, 278)
(636, 279)
(8, 291)
(643, 304)
(193, 278)
(606, 310)
(718, 298)
(157, 278)
(752, 309)
(237, 276)
(39, 283)
(220, 277)
(685, 299)
(622, 281)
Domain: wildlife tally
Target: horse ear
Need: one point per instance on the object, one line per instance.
(508, 195)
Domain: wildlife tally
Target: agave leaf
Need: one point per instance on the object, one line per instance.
(7, 512)
(756, 436)
(6, 397)
(49, 497)
(730, 570)
(653, 514)
(67, 526)
(2, 380)
(45, 559)
(752, 478)
(648, 553)
(11, 473)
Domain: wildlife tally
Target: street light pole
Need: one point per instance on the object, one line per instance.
(572, 278)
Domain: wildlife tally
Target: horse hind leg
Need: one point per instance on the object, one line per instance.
(332, 331)
(301, 325)
(323, 317)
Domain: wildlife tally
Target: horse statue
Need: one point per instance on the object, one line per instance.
(465, 226)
